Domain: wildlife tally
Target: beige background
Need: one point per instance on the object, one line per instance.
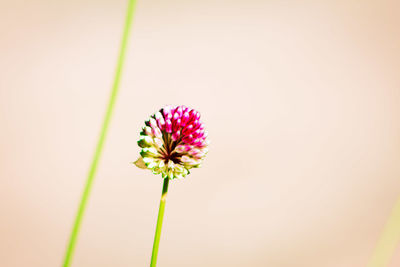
(301, 100)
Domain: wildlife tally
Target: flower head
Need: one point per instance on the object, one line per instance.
(173, 141)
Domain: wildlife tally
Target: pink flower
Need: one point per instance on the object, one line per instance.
(173, 141)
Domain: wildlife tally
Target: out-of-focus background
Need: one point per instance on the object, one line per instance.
(301, 100)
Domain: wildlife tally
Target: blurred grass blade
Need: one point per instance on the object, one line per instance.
(389, 240)
(99, 148)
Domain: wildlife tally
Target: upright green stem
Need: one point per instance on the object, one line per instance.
(159, 223)
(99, 148)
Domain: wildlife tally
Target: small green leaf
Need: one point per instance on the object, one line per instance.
(140, 163)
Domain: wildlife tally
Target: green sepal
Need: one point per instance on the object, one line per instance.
(140, 163)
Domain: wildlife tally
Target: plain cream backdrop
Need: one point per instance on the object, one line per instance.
(301, 100)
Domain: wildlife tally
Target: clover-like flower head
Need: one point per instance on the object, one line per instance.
(173, 141)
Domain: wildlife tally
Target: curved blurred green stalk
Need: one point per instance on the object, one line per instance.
(103, 133)
(388, 241)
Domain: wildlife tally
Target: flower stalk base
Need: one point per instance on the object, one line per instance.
(159, 223)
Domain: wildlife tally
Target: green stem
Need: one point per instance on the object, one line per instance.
(159, 223)
(99, 148)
